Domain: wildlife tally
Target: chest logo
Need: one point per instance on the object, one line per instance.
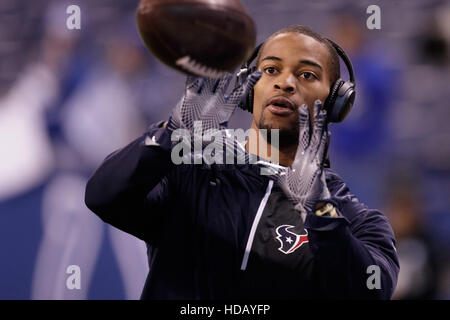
(289, 240)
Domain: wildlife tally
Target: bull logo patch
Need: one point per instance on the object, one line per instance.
(289, 240)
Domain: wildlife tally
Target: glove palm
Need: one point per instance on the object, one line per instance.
(304, 181)
(205, 100)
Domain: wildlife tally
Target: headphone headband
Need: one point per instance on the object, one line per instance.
(341, 53)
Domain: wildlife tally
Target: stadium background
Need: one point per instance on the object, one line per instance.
(70, 97)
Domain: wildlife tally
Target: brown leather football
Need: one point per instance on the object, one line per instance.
(201, 37)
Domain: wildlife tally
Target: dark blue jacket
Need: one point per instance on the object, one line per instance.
(226, 231)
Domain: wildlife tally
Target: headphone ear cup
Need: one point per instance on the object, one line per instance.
(331, 99)
(344, 100)
(247, 103)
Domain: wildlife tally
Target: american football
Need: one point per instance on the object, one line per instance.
(201, 37)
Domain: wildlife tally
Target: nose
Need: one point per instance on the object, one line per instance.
(286, 83)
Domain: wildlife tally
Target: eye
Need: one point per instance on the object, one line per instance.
(307, 75)
(270, 70)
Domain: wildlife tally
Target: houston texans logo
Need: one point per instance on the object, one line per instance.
(290, 241)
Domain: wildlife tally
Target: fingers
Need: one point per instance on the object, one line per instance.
(208, 85)
(305, 126)
(202, 85)
(194, 83)
(241, 92)
(320, 122)
(320, 145)
(224, 82)
(323, 148)
(317, 107)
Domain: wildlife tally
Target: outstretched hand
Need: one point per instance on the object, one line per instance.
(205, 100)
(304, 181)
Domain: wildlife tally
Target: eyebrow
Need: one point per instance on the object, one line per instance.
(304, 61)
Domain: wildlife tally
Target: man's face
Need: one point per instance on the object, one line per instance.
(295, 71)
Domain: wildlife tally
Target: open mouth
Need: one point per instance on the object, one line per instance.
(281, 106)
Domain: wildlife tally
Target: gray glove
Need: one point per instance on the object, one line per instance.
(304, 181)
(205, 100)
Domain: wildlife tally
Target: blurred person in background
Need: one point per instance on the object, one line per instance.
(423, 135)
(97, 110)
(360, 146)
(29, 84)
(420, 260)
(22, 126)
(50, 106)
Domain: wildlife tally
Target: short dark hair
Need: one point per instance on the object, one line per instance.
(335, 72)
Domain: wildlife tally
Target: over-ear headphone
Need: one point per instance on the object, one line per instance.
(342, 93)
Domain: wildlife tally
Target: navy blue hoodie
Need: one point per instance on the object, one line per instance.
(228, 232)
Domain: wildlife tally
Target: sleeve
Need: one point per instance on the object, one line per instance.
(355, 252)
(128, 188)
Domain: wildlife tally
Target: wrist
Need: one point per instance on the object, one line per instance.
(157, 135)
(326, 208)
(172, 124)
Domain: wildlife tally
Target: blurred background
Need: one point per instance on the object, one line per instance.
(68, 98)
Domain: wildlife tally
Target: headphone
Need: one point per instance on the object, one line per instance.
(342, 93)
